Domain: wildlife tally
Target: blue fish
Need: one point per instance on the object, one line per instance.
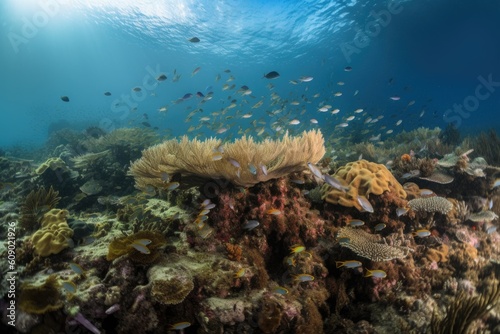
(200, 94)
(187, 96)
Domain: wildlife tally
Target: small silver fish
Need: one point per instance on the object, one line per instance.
(315, 170)
(234, 162)
(263, 168)
(250, 224)
(365, 204)
(401, 211)
(141, 248)
(490, 229)
(335, 183)
(410, 174)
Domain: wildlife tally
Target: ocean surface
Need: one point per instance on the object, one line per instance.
(429, 56)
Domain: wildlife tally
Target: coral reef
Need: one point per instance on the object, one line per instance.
(243, 163)
(270, 257)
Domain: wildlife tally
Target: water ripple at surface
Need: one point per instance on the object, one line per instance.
(258, 30)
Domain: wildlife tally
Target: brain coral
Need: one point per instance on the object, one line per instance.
(364, 178)
(54, 235)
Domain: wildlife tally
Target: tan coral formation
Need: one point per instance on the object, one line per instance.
(211, 159)
(54, 235)
(370, 246)
(431, 204)
(169, 285)
(364, 178)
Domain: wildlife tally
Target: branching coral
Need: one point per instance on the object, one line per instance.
(369, 245)
(463, 310)
(244, 162)
(36, 204)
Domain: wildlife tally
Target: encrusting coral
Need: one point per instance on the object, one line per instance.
(40, 299)
(243, 162)
(54, 235)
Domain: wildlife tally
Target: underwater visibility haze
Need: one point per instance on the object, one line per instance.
(250, 166)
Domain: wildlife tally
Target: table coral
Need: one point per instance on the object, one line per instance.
(364, 178)
(53, 237)
(369, 245)
(431, 204)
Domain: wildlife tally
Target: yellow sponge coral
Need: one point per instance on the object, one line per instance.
(54, 235)
(364, 178)
(53, 164)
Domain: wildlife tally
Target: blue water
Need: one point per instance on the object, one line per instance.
(431, 52)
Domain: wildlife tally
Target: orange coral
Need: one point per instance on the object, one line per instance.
(406, 157)
(234, 252)
(439, 254)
